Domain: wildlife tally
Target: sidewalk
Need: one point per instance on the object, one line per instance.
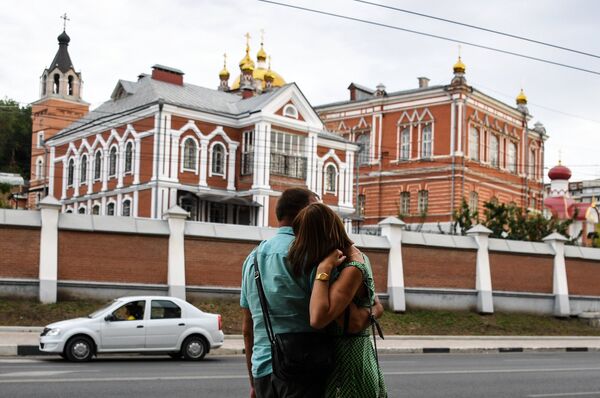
(22, 341)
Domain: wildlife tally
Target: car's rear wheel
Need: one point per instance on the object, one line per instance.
(79, 349)
(194, 348)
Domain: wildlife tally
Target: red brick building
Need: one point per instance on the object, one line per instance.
(423, 150)
(223, 155)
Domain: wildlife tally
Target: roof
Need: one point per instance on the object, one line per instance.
(129, 96)
(62, 60)
(392, 94)
(11, 178)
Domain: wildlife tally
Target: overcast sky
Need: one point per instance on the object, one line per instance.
(113, 40)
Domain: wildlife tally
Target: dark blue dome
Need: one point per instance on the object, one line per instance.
(64, 38)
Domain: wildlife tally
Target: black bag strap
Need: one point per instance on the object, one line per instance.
(263, 299)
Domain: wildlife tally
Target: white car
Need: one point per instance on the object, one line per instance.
(156, 324)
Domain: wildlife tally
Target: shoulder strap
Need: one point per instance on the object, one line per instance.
(263, 299)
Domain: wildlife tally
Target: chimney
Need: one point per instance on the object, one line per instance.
(167, 74)
(423, 82)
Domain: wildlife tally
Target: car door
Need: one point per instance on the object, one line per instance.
(123, 328)
(165, 325)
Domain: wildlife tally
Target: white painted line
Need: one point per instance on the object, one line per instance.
(487, 371)
(124, 379)
(566, 394)
(38, 373)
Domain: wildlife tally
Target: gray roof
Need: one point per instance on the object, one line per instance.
(130, 96)
(392, 94)
(62, 60)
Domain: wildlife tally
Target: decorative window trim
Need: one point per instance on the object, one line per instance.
(182, 167)
(70, 173)
(99, 178)
(40, 172)
(84, 160)
(247, 163)
(401, 130)
(99, 206)
(69, 210)
(84, 207)
(40, 140)
(130, 200)
(211, 157)
(491, 151)
(116, 173)
(422, 127)
(476, 129)
(326, 180)
(132, 165)
(114, 203)
(403, 195)
(290, 111)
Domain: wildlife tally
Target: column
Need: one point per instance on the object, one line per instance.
(48, 268)
(51, 172)
(392, 228)
(483, 283)
(203, 161)
(120, 164)
(560, 287)
(176, 263)
(136, 157)
(231, 166)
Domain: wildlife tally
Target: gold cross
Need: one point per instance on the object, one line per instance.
(247, 36)
(224, 60)
(64, 17)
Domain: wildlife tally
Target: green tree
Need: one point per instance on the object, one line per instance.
(464, 218)
(15, 138)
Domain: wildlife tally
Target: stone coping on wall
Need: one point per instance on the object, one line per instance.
(508, 293)
(523, 247)
(437, 290)
(20, 218)
(131, 225)
(586, 253)
(438, 240)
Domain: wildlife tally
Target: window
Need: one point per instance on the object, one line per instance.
(98, 165)
(190, 150)
(40, 139)
(70, 172)
(96, 210)
(360, 205)
(112, 162)
(218, 213)
(81, 210)
(70, 85)
(290, 111)
(512, 157)
(247, 152)
(330, 179)
(83, 170)
(473, 201)
(494, 150)
(129, 157)
(44, 83)
(364, 152)
(164, 309)
(218, 160)
(532, 163)
(39, 168)
(423, 201)
(287, 155)
(110, 209)
(474, 143)
(427, 142)
(132, 311)
(532, 203)
(405, 144)
(126, 210)
(56, 84)
(405, 203)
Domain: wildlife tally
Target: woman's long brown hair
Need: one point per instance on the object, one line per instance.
(318, 232)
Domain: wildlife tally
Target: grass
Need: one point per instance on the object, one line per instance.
(21, 312)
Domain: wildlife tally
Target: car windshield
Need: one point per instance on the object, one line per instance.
(99, 311)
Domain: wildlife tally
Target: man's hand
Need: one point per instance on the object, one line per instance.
(360, 317)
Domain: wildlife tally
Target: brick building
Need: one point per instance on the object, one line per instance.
(224, 155)
(424, 149)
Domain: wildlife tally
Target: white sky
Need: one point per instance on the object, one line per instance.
(113, 40)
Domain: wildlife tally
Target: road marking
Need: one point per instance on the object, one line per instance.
(484, 371)
(38, 373)
(125, 379)
(566, 394)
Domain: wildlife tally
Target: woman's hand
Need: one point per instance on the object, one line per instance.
(334, 259)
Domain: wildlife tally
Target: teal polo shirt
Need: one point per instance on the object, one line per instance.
(288, 297)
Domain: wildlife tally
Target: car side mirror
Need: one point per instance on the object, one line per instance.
(109, 318)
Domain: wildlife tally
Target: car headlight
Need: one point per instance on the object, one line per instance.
(53, 332)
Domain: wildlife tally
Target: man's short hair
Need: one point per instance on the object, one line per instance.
(291, 201)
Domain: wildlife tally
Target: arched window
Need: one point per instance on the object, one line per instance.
(56, 84)
(494, 150)
(512, 157)
(70, 172)
(96, 210)
(126, 211)
(330, 179)
(81, 210)
(129, 157)
(69, 211)
(112, 162)
(532, 163)
(83, 169)
(98, 165)
(218, 160)
(405, 203)
(290, 111)
(110, 209)
(473, 201)
(44, 83)
(405, 144)
(423, 201)
(39, 168)
(364, 152)
(70, 85)
(189, 154)
(427, 142)
(474, 143)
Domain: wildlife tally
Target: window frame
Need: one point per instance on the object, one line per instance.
(423, 201)
(113, 161)
(405, 144)
(474, 143)
(330, 180)
(98, 165)
(83, 169)
(189, 157)
(405, 203)
(494, 155)
(427, 143)
(70, 172)
(213, 159)
(129, 203)
(128, 161)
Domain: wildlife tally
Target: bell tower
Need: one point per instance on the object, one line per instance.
(59, 105)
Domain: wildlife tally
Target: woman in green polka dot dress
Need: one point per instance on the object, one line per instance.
(343, 277)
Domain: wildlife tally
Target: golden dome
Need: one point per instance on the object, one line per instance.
(262, 54)
(521, 98)
(247, 61)
(259, 74)
(224, 74)
(459, 66)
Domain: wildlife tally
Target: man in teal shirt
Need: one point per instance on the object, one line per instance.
(288, 299)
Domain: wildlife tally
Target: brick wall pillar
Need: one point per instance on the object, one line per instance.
(483, 283)
(48, 268)
(392, 228)
(176, 263)
(560, 287)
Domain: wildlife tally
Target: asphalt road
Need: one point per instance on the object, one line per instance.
(528, 375)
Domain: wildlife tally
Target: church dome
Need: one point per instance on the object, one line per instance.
(63, 38)
(259, 74)
(559, 172)
(459, 66)
(521, 98)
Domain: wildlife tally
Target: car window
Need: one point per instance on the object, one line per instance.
(101, 310)
(132, 311)
(164, 309)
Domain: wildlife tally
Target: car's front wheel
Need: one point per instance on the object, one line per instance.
(194, 348)
(79, 349)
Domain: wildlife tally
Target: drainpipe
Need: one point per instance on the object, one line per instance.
(157, 158)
